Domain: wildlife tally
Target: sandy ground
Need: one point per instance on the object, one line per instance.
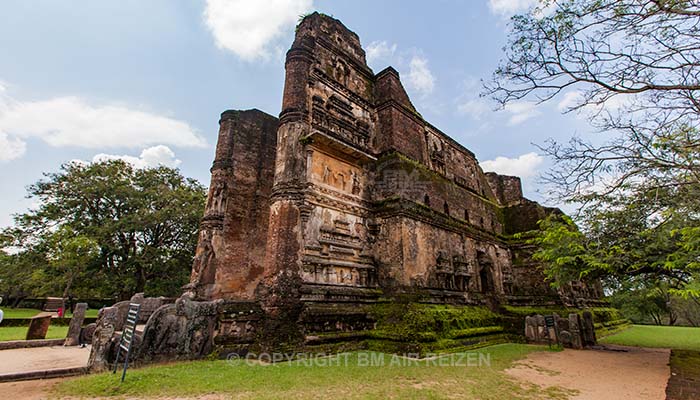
(634, 373)
(42, 358)
(28, 390)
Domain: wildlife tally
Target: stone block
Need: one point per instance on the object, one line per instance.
(588, 329)
(76, 323)
(575, 329)
(38, 326)
(103, 339)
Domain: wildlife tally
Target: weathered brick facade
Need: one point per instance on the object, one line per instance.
(324, 228)
(352, 196)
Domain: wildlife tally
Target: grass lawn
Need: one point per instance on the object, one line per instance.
(30, 312)
(20, 332)
(342, 377)
(674, 337)
(19, 312)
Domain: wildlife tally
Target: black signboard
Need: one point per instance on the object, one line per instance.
(549, 321)
(127, 338)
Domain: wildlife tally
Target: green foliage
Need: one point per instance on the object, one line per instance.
(104, 229)
(638, 187)
(306, 140)
(562, 247)
(644, 244)
(641, 235)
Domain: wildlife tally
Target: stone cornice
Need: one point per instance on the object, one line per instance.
(417, 211)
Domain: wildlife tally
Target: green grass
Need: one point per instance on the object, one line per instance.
(674, 337)
(30, 312)
(396, 378)
(19, 312)
(20, 332)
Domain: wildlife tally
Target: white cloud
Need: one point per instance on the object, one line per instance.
(521, 112)
(249, 28)
(470, 103)
(614, 104)
(524, 166)
(420, 78)
(506, 8)
(71, 121)
(475, 108)
(11, 149)
(569, 100)
(379, 51)
(150, 157)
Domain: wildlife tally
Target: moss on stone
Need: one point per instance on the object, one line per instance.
(423, 322)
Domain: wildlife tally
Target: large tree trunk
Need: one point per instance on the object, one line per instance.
(140, 279)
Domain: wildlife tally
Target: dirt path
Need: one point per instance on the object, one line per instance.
(634, 373)
(29, 390)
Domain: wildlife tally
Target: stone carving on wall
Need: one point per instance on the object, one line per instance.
(341, 72)
(355, 182)
(462, 271)
(182, 330)
(341, 257)
(202, 267)
(508, 281)
(450, 273)
(335, 118)
(238, 329)
(574, 332)
(326, 175)
(337, 174)
(216, 203)
(485, 272)
(437, 156)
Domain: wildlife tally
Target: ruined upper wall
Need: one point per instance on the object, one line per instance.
(329, 82)
(507, 189)
(233, 231)
(332, 34)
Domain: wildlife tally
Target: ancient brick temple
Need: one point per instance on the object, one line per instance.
(349, 197)
(351, 192)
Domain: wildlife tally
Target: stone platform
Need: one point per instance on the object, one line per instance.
(42, 362)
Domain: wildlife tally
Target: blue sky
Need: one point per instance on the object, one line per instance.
(147, 80)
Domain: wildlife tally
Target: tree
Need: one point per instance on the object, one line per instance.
(18, 276)
(649, 236)
(644, 302)
(69, 255)
(634, 66)
(120, 229)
